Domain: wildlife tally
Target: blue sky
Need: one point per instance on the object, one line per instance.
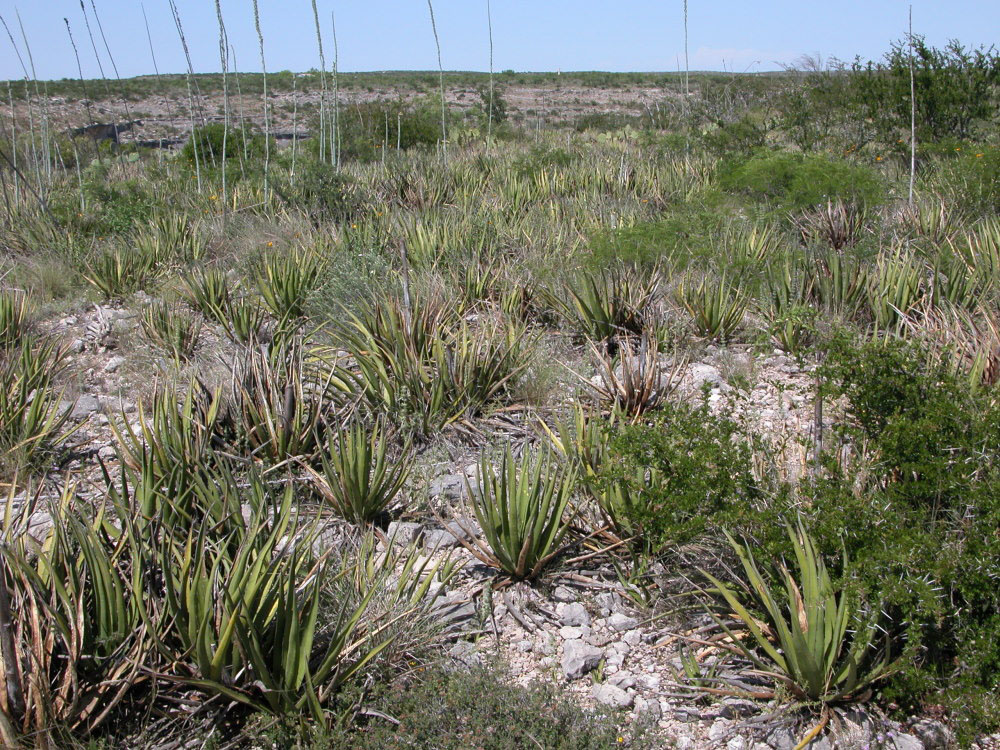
(617, 35)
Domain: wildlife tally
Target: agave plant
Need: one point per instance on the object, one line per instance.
(823, 651)
(283, 402)
(838, 283)
(358, 480)
(171, 329)
(716, 308)
(69, 619)
(286, 281)
(605, 306)
(119, 272)
(836, 225)
(935, 220)
(13, 318)
(170, 238)
(980, 251)
(208, 290)
(896, 286)
(243, 320)
(417, 362)
(33, 416)
(635, 382)
(791, 312)
(753, 242)
(522, 509)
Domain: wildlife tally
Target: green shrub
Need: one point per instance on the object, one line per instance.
(211, 143)
(685, 470)
(919, 523)
(365, 129)
(742, 137)
(973, 178)
(323, 192)
(955, 89)
(480, 708)
(795, 181)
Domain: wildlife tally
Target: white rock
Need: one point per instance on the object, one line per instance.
(621, 623)
(623, 679)
(114, 363)
(612, 695)
(579, 658)
(573, 614)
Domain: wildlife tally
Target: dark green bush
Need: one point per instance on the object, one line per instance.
(366, 128)
(321, 191)
(955, 89)
(793, 181)
(743, 136)
(920, 525)
(973, 177)
(688, 469)
(214, 141)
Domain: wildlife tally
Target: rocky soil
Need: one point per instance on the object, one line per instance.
(579, 626)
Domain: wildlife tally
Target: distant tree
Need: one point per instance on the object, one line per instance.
(956, 88)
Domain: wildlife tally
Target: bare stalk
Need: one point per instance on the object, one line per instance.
(243, 123)
(83, 83)
(28, 99)
(322, 83)
(437, 43)
(913, 115)
(336, 93)
(188, 75)
(489, 121)
(224, 62)
(267, 121)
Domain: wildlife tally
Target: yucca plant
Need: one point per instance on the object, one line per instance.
(358, 479)
(635, 382)
(286, 281)
(412, 362)
(180, 430)
(837, 225)
(282, 402)
(823, 647)
(838, 283)
(243, 320)
(603, 307)
(172, 330)
(895, 287)
(954, 284)
(791, 314)
(935, 220)
(170, 238)
(33, 417)
(13, 318)
(208, 291)
(523, 512)
(118, 272)
(980, 251)
(581, 441)
(753, 242)
(72, 625)
(716, 307)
